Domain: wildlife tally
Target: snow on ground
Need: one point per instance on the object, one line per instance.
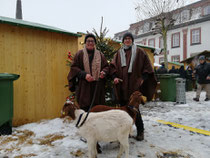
(57, 138)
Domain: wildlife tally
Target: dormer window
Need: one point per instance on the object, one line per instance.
(185, 15)
(196, 13)
(206, 10)
(177, 18)
(146, 27)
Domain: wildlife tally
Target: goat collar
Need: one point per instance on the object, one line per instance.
(78, 121)
(133, 108)
(78, 114)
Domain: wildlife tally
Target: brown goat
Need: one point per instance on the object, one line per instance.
(136, 98)
(66, 110)
(132, 108)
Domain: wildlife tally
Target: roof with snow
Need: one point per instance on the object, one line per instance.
(22, 23)
(206, 53)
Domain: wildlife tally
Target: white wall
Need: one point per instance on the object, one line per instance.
(205, 41)
(178, 50)
(205, 38)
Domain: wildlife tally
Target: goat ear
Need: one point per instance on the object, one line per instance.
(77, 105)
(65, 105)
(140, 93)
(71, 113)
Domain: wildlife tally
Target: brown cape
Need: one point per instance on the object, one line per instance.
(84, 89)
(131, 81)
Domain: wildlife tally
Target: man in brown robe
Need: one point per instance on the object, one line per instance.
(132, 71)
(89, 68)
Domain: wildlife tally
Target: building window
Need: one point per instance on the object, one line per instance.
(133, 31)
(146, 27)
(161, 60)
(175, 58)
(206, 10)
(196, 13)
(161, 42)
(144, 41)
(185, 15)
(151, 42)
(175, 41)
(195, 36)
(177, 18)
(140, 30)
(139, 42)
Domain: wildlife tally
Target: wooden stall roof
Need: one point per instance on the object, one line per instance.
(147, 47)
(22, 23)
(205, 53)
(176, 63)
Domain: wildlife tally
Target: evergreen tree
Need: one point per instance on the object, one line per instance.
(104, 45)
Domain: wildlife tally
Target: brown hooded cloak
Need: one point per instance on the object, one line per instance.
(84, 89)
(131, 81)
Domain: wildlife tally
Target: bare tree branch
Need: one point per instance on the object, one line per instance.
(162, 13)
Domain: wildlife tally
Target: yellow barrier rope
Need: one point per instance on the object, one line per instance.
(185, 127)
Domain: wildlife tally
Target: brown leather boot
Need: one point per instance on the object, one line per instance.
(140, 136)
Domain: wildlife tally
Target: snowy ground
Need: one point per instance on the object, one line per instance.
(58, 138)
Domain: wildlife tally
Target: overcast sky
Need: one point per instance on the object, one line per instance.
(76, 15)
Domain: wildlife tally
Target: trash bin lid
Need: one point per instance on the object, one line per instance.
(7, 76)
(180, 79)
(168, 75)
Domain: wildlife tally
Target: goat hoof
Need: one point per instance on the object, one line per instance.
(99, 149)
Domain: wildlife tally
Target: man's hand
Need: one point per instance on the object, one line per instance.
(141, 82)
(117, 80)
(89, 78)
(102, 74)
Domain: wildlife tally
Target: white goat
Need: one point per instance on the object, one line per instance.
(113, 125)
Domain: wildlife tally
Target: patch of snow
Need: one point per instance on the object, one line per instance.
(159, 138)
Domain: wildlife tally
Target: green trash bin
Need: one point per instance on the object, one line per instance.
(168, 87)
(6, 102)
